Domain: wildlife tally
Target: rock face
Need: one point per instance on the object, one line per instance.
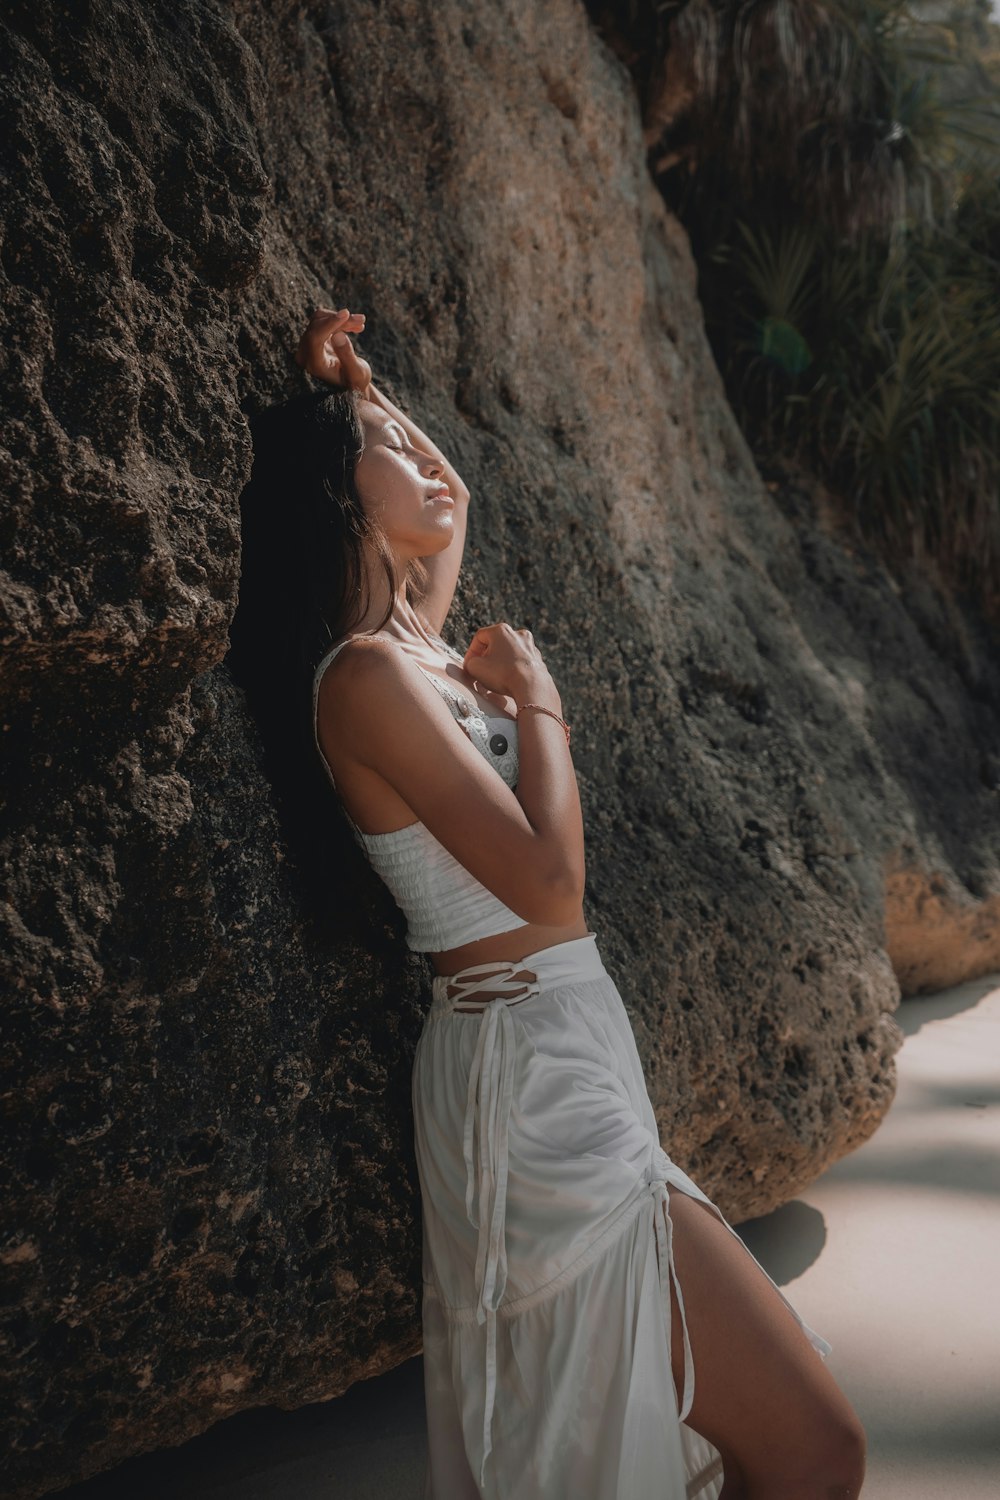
(210, 1200)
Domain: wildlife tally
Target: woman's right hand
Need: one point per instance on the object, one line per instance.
(325, 349)
(507, 662)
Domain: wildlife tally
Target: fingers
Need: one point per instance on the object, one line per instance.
(357, 371)
(484, 638)
(325, 324)
(328, 316)
(483, 641)
(325, 321)
(479, 645)
(502, 627)
(500, 657)
(319, 352)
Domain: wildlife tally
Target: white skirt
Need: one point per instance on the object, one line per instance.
(547, 1260)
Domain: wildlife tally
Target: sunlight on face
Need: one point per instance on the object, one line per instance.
(400, 487)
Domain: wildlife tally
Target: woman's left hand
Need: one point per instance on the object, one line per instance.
(326, 351)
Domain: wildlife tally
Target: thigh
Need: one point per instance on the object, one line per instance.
(760, 1387)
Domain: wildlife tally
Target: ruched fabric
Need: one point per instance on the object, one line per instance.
(548, 1245)
(445, 906)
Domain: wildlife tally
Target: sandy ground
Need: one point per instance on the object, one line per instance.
(893, 1255)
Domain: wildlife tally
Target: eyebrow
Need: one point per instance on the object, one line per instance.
(394, 425)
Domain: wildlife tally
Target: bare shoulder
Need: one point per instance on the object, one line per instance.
(370, 692)
(367, 671)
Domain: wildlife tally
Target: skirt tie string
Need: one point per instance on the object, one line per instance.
(487, 1114)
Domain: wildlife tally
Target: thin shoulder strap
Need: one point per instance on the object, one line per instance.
(459, 705)
(328, 656)
(317, 679)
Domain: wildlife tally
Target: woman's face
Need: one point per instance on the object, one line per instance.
(400, 486)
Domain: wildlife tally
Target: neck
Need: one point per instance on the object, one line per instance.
(403, 624)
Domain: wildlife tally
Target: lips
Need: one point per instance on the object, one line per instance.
(444, 494)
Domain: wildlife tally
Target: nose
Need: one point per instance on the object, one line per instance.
(432, 465)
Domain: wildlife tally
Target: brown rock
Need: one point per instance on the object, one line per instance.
(936, 933)
(210, 1200)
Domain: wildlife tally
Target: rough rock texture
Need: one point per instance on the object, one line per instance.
(209, 1194)
(936, 935)
(924, 675)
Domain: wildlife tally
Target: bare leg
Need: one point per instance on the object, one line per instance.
(763, 1395)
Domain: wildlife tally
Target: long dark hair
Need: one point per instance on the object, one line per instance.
(304, 586)
(302, 505)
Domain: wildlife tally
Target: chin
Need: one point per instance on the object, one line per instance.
(440, 543)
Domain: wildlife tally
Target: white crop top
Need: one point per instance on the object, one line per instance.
(444, 905)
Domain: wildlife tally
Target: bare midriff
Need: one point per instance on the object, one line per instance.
(507, 946)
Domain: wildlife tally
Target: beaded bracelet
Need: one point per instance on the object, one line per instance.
(551, 713)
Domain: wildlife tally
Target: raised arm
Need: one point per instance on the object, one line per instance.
(326, 351)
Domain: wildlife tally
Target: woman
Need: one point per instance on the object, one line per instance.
(592, 1325)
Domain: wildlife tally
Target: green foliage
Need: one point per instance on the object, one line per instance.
(880, 366)
(836, 163)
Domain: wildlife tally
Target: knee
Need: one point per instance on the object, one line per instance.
(828, 1464)
(837, 1465)
(853, 1452)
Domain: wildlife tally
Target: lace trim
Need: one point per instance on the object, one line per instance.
(494, 735)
